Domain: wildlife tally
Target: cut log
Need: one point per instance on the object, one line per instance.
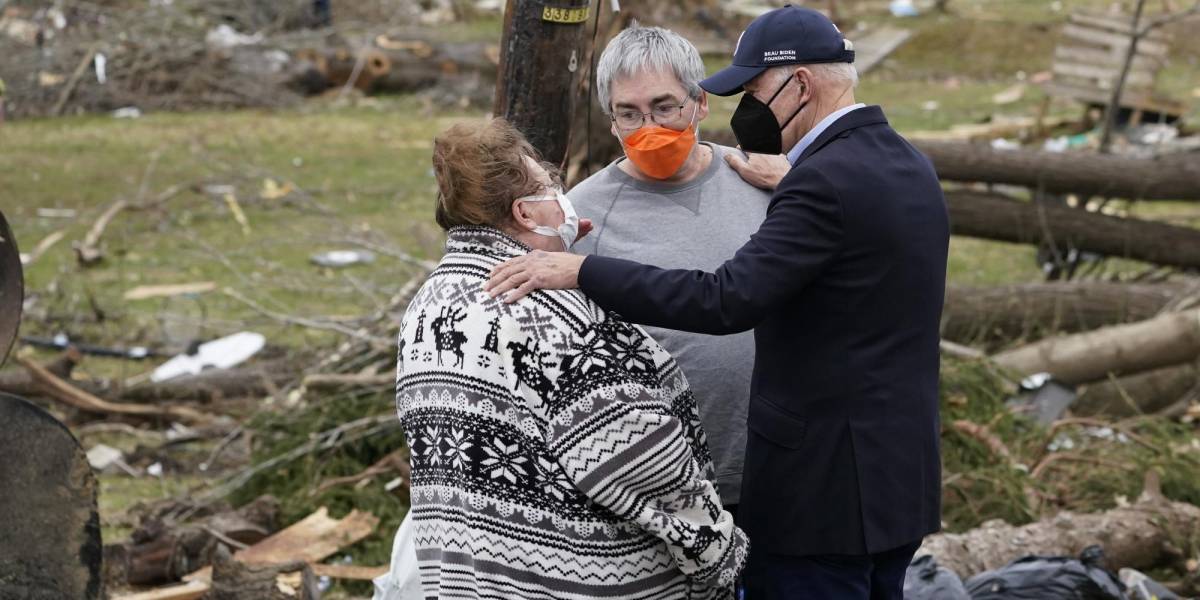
(1138, 536)
(50, 545)
(158, 553)
(1164, 178)
(994, 315)
(997, 217)
(1163, 341)
(235, 580)
(1145, 393)
(310, 540)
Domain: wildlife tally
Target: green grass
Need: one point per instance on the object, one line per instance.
(365, 167)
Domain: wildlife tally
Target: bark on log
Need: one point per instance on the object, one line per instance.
(234, 580)
(208, 386)
(994, 315)
(1138, 536)
(996, 217)
(1170, 339)
(1145, 393)
(1164, 178)
(158, 553)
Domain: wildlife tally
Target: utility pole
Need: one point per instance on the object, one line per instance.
(540, 54)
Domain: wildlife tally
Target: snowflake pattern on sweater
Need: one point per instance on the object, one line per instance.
(556, 449)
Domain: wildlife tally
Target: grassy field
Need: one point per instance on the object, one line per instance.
(361, 179)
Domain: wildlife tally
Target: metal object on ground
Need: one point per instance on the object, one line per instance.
(12, 288)
(51, 545)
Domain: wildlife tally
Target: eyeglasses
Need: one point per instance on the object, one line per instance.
(660, 115)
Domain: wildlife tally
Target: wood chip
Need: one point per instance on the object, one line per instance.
(143, 292)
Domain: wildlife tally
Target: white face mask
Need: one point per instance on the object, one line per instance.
(569, 230)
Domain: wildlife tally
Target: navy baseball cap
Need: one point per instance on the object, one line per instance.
(791, 35)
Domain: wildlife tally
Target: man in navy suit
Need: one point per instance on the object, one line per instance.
(843, 285)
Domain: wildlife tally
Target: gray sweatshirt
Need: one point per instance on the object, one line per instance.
(696, 225)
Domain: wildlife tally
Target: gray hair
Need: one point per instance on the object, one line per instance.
(642, 48)
(834, 72)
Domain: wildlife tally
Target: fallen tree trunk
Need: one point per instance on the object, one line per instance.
(1164, 178)
(1139, 536)
(1170, 339)
(207, 386)
(997, 217)
(1144, 393)
(398, 64)
(213, 385)
(63, 391)
(994, 315)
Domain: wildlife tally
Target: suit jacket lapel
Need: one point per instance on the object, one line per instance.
(867, 115)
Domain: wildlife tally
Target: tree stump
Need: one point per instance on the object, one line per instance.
(50, 547)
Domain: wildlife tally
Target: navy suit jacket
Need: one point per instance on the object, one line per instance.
(843, 285)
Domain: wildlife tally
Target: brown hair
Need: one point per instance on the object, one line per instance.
(480, 170)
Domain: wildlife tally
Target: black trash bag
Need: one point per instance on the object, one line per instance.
(1049, 578)
(926, 580)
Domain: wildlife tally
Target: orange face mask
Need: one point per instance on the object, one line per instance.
(658, 151)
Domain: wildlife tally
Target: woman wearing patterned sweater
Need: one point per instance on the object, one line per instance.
(556, 451)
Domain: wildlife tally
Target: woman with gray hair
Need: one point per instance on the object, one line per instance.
(556, 452)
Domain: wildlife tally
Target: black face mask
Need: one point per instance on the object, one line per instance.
(755, 125)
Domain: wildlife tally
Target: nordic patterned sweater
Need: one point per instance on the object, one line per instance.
(556, 450)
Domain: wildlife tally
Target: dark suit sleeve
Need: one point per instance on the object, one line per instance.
(803, 231)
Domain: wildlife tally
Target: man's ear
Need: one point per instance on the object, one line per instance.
(805, 79)
(703, 102)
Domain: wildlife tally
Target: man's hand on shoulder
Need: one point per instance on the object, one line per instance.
(763, 171)
(538, 270)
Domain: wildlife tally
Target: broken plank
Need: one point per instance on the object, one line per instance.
(1113, 40)
(354, 572)
(143, 292)
(872, 48)
(184, 591)
(312, 539)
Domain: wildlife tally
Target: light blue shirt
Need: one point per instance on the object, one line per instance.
(794, 154)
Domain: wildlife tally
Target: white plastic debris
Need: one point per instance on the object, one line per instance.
(1003, 144)
(56, 213)
(101, 457)
(221, 353)
(101, 63)
(903, 8)
(343, 258)
(1058, 144)
(224, 36)
(128, 112)
(155, 470)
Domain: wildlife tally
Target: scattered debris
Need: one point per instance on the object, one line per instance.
(143, 292)
(903, 8)
(343, 258)
(926, 580)
(62, 391)
(222, 353)
(1049, 577)
(1043, 398)
(1009, 95)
